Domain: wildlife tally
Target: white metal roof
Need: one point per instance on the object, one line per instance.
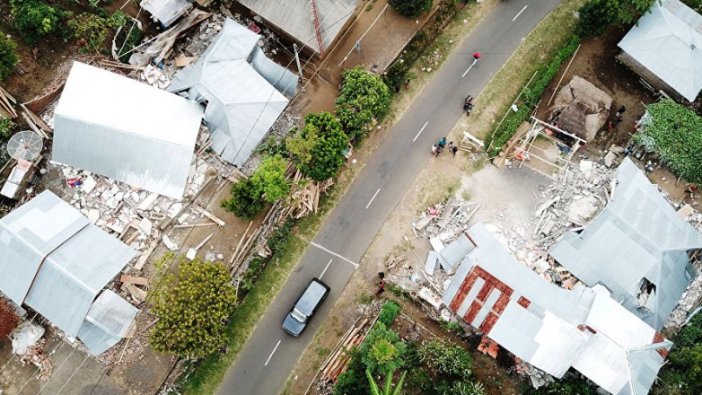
(667, 40)
(553, 328)
(124, 129)
(166, 11)
(108, 321)
(241, 88)
(53, 260)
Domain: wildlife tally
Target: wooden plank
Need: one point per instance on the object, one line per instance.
(137, 280)
(208, 215)
(145, 256)
(137, 293)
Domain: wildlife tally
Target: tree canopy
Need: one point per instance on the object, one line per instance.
(8, 56)
(410, 8)
(266, 184)
(363, 99)
(596, 15)
(318, 148)
(674, 133)
(192, 306)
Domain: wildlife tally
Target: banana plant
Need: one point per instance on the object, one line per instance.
(387, 390)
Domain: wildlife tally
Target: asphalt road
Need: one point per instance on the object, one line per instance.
(265, 362)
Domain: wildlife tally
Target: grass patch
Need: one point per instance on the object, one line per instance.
(537, 49)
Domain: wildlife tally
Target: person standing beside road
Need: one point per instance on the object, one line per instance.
(381, 284)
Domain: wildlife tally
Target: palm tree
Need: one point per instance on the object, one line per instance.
(387, 390)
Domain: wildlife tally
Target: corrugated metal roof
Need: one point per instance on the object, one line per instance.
(107, 322)
(550, 327)
(166, 11)
(124, 129)
(60, 260)
(638, 235)
(667, 40)
(27, 235)
(242, 91)
(296, 18)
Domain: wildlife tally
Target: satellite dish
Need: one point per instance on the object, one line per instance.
(25, 145)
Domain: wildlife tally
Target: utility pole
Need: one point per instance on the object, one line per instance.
(297, 60)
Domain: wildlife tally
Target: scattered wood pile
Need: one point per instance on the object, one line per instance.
(7, 103)
(339, 359)
(304, 197)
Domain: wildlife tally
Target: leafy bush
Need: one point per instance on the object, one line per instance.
(318, 148)
(6, 126)
(683, 372)
(674, 132)
(128, 37)
(446, 360)
(382, 351)
(93, 30)
(411, 8)
(270, 179)
(568, 385)
(192, 307)
(8, 56)
(530, 97)
(267, 184)
(363, 100)
(593, 19)
(245, 201)
(36, 19)
(389, 312)
(353, 380)
(461, 388)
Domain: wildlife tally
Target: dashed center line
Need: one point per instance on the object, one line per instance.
(519, 13)
(272, 352)
(373, 198)
(325, 268)
(330, 252)
(420, 131)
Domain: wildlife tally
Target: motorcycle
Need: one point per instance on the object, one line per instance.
(468, 105)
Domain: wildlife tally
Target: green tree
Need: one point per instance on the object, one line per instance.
(318, 148)
(267, 184)
(363, 99)
(596, 15)
(36, 19)
(270, 179)
(411, 8)
(683, 372)
(245, 201)
(192, 307)
(382, 351)
(8, 56)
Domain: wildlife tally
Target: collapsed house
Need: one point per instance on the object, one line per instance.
(315, 24)
(53, 260)
(552, 328)
(638, 247)
(166, 11)
(126, 130)
(243, 91)
(581, 108)
(665, 48)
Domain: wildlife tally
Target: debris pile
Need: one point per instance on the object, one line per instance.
(445, 221)
(35, 355)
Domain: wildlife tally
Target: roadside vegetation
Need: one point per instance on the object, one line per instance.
(385, 363)
(411, 8)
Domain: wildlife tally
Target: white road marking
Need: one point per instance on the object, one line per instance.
(373, 198)
(325, 268)
(330, 252)
(469, 67)
(519, 13)
(272, 352)
(420, 131)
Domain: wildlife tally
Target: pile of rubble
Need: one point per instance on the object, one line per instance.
(133, 215)
(444, 222)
